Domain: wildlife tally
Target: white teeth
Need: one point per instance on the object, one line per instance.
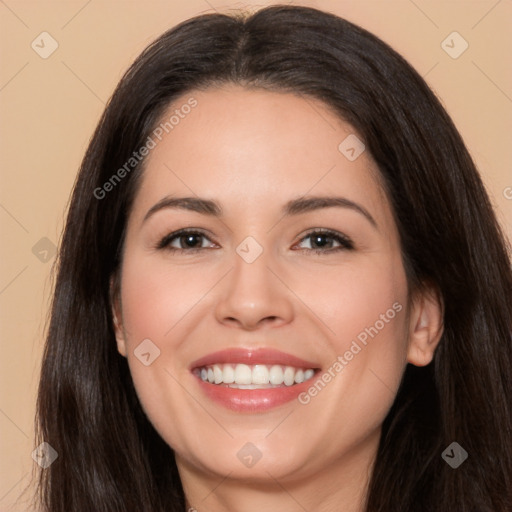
(289, 376)
(243, 374)
(217, 374)
(276, 376)
(258, 376)
(308, 374)
(228, 374)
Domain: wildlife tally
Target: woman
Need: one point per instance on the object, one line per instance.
(281, 284)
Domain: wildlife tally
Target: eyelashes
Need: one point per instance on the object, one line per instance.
(182, 235)
(318, 237)
(191, 241)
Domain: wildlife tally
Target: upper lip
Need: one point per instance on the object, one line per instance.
(251, 356)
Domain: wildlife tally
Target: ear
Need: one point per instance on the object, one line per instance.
(426, 326)
(115, 303)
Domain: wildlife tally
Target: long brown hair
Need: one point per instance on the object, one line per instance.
(110, 456)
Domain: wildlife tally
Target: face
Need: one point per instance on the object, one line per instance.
(263, 304)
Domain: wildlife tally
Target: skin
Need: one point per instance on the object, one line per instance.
(252, 151)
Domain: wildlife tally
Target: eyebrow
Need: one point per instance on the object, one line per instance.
(193, 204)
(292, 207)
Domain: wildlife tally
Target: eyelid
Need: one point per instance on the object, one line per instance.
(345, 242)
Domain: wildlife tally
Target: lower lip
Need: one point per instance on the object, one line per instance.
(252, 400)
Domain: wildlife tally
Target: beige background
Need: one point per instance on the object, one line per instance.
(49, 108)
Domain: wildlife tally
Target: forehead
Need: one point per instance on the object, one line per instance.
(252, 147)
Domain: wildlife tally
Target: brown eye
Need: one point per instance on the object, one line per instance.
(191, 241)
(325, 241)
(185, 240)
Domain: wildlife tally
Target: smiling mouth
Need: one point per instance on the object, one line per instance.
(253, 380)
(257, 376)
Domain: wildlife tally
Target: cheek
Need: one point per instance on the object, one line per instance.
(364, 312)
(359, 301)
(156, 300)
(156, 296)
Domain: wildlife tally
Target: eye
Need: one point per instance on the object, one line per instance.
(325, 241)
(185, 240)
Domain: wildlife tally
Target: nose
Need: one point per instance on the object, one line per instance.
(253, 296)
